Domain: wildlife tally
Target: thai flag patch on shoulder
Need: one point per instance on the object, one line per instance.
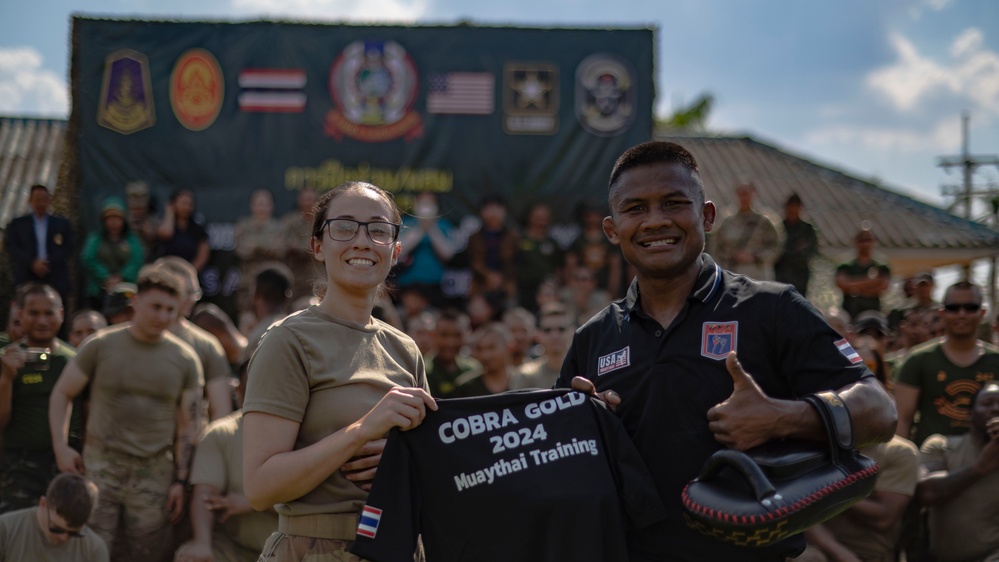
(847, 350)
(367, 526)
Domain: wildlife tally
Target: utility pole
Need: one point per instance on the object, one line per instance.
(966, 194)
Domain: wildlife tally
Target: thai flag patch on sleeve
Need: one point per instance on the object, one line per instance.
(847, 350)
(368, 524)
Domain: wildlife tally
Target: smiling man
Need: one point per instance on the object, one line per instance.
(665, 355)
(940, 377)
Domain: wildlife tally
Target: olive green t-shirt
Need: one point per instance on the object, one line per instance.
(219, 463)
(214, 363)
(325, 374)
(966, 527)
(898, 467)
(29, 416)
(136, 389)
(945, 390)
(22, 539)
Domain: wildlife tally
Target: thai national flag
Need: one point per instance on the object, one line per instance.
(272, 90)
(368, 525)
(847, 350)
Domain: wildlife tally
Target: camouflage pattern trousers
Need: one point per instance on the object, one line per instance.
(24, 476)
(131, 514)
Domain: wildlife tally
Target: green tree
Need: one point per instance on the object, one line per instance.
(693, 117)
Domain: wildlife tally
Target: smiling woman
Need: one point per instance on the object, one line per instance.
(328, 383)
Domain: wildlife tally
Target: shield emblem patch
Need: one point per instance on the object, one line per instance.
(718, 339)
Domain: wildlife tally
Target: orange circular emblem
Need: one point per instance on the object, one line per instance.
(196, 89)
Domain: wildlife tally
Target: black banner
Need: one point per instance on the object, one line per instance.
(225, 108)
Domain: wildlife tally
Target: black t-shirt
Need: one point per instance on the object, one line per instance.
(668, 379)
(544, 475)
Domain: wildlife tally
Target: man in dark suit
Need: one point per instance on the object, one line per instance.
(41, 245)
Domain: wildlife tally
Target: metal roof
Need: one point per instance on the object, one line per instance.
(30, 153)
(913, 235)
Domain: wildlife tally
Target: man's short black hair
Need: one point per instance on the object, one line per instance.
(34, 288)
(73, 497)
(161, 278)
(654, 152)
(964, 285)
(38, 186)
(273, 284)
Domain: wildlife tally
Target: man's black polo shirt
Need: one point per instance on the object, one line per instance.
(668, 378)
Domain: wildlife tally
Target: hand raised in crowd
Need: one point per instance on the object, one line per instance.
(747, 418)
(992, 429)
(12, 358)
(988, 460)
(226, 506)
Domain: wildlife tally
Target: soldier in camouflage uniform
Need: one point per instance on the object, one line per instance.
(145, 386)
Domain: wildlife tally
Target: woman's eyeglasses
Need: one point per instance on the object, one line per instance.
(344, 230)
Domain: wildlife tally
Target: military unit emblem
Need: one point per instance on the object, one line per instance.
(530, 99)
(605, 95)
(374, 87)
(126, 103)
(718, 339)
(196, 89)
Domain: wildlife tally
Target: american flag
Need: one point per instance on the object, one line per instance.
(466, 93)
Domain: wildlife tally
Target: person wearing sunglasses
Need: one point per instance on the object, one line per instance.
(939, 377)
(555, 329)
(326, 385)
(55, 529)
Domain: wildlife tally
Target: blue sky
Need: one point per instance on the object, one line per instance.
(875, 88)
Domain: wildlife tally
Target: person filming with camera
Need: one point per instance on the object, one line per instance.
(29, 369)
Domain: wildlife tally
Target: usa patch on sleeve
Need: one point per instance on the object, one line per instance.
(847, 350)
(367, 526)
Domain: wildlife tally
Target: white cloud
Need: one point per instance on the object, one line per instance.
(971, 74)
(943, 137)
(406, 11)
(27, 88)
(937, 5)
(916, 11)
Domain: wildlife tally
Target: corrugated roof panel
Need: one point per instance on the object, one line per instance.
(30, 152)
(835, 202)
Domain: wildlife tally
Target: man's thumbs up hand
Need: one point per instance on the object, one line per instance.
(748, 417)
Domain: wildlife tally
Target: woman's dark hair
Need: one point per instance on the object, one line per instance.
(323, 205)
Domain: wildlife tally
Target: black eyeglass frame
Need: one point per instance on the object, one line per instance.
(395, 233)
